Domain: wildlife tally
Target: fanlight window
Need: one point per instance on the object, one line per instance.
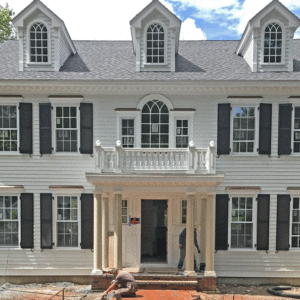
(273, 44)
(38, 43)
(155, 125)
(155, 44)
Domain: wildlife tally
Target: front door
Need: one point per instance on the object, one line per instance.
(154, 231)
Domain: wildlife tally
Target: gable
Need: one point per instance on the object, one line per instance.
(37, 14)
(274, 15)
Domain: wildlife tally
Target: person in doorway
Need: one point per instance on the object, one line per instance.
(123, 285)
(182, 247)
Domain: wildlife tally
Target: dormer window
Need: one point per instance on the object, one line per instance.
(38, 43)
(273, 44)
(155, 44)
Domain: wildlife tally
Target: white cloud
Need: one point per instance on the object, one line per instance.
(216, 11)
(189, 31)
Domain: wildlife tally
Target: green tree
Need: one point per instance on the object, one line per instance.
(6, 30)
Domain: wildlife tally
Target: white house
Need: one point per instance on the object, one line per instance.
(168, 133)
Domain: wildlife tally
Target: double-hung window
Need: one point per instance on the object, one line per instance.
(38, 43)
(155, 44)
(244, 135)
(296, 129)
(273, 44)
(241, 223)
(295, 223)
(128, 133)
(8, 128)
(183, 211)
(182, 133)
(67, 221)
(124, 211)
(9, 221)
(66, 128)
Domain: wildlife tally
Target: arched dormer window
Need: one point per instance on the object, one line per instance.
(155, 125)
(38, 43)
(155, 44)
(273, 44)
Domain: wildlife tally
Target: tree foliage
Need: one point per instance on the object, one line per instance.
(6, 29)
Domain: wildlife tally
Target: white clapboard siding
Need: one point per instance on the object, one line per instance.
(36, 173)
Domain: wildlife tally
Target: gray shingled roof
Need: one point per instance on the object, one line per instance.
(115, 60)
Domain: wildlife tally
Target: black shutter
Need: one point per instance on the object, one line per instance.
(223, 139)
(221, 242)
(263, 212)
(45, 128)
(25, 127)
(265, 126)
(283, 222)
(27, 220)
(86, 128)
(87, 221)
(285, 129)
(46, 221)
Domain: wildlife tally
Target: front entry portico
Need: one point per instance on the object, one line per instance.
(111, 189)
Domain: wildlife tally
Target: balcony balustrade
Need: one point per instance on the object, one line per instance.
(155, 160)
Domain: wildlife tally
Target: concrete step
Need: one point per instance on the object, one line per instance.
(167, 284)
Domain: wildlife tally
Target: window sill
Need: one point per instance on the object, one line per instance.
(242, 250)
(11, 153)
(10, 248)
(66, 154)
(38, 64)
(244, 154)
(155, 64)
(66, 248)
(272, 64)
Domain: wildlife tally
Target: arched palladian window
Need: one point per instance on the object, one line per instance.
(155, 125)
(273, 44)
(155, 44)
(38, 43)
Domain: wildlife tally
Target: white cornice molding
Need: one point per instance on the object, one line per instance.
(141, 88)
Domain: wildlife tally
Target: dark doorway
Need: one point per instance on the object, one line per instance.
(154, 231)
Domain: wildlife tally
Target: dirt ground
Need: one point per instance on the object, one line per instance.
(77, 292)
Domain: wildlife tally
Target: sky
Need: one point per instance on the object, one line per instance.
(201, 19)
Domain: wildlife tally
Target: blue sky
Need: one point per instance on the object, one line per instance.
(201, 19)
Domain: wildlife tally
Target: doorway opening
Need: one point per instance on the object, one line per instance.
(154, 231)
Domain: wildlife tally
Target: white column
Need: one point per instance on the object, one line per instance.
(189, 270)
(105, 224)
(97, 235)
(203, 230)
(210, 236)
(118, 231)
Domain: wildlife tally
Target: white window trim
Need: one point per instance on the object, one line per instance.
(239, 194)
(54, 217)
(165, 63)
(126, 199)
(180, 115)
(13, 102)
(283, 62)
(181, 200)
(136, 116)
(173, 117)
(295, 103)
(247, 103)
(293, 194)
(28, 62)
(19, 219)
(65, 102)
